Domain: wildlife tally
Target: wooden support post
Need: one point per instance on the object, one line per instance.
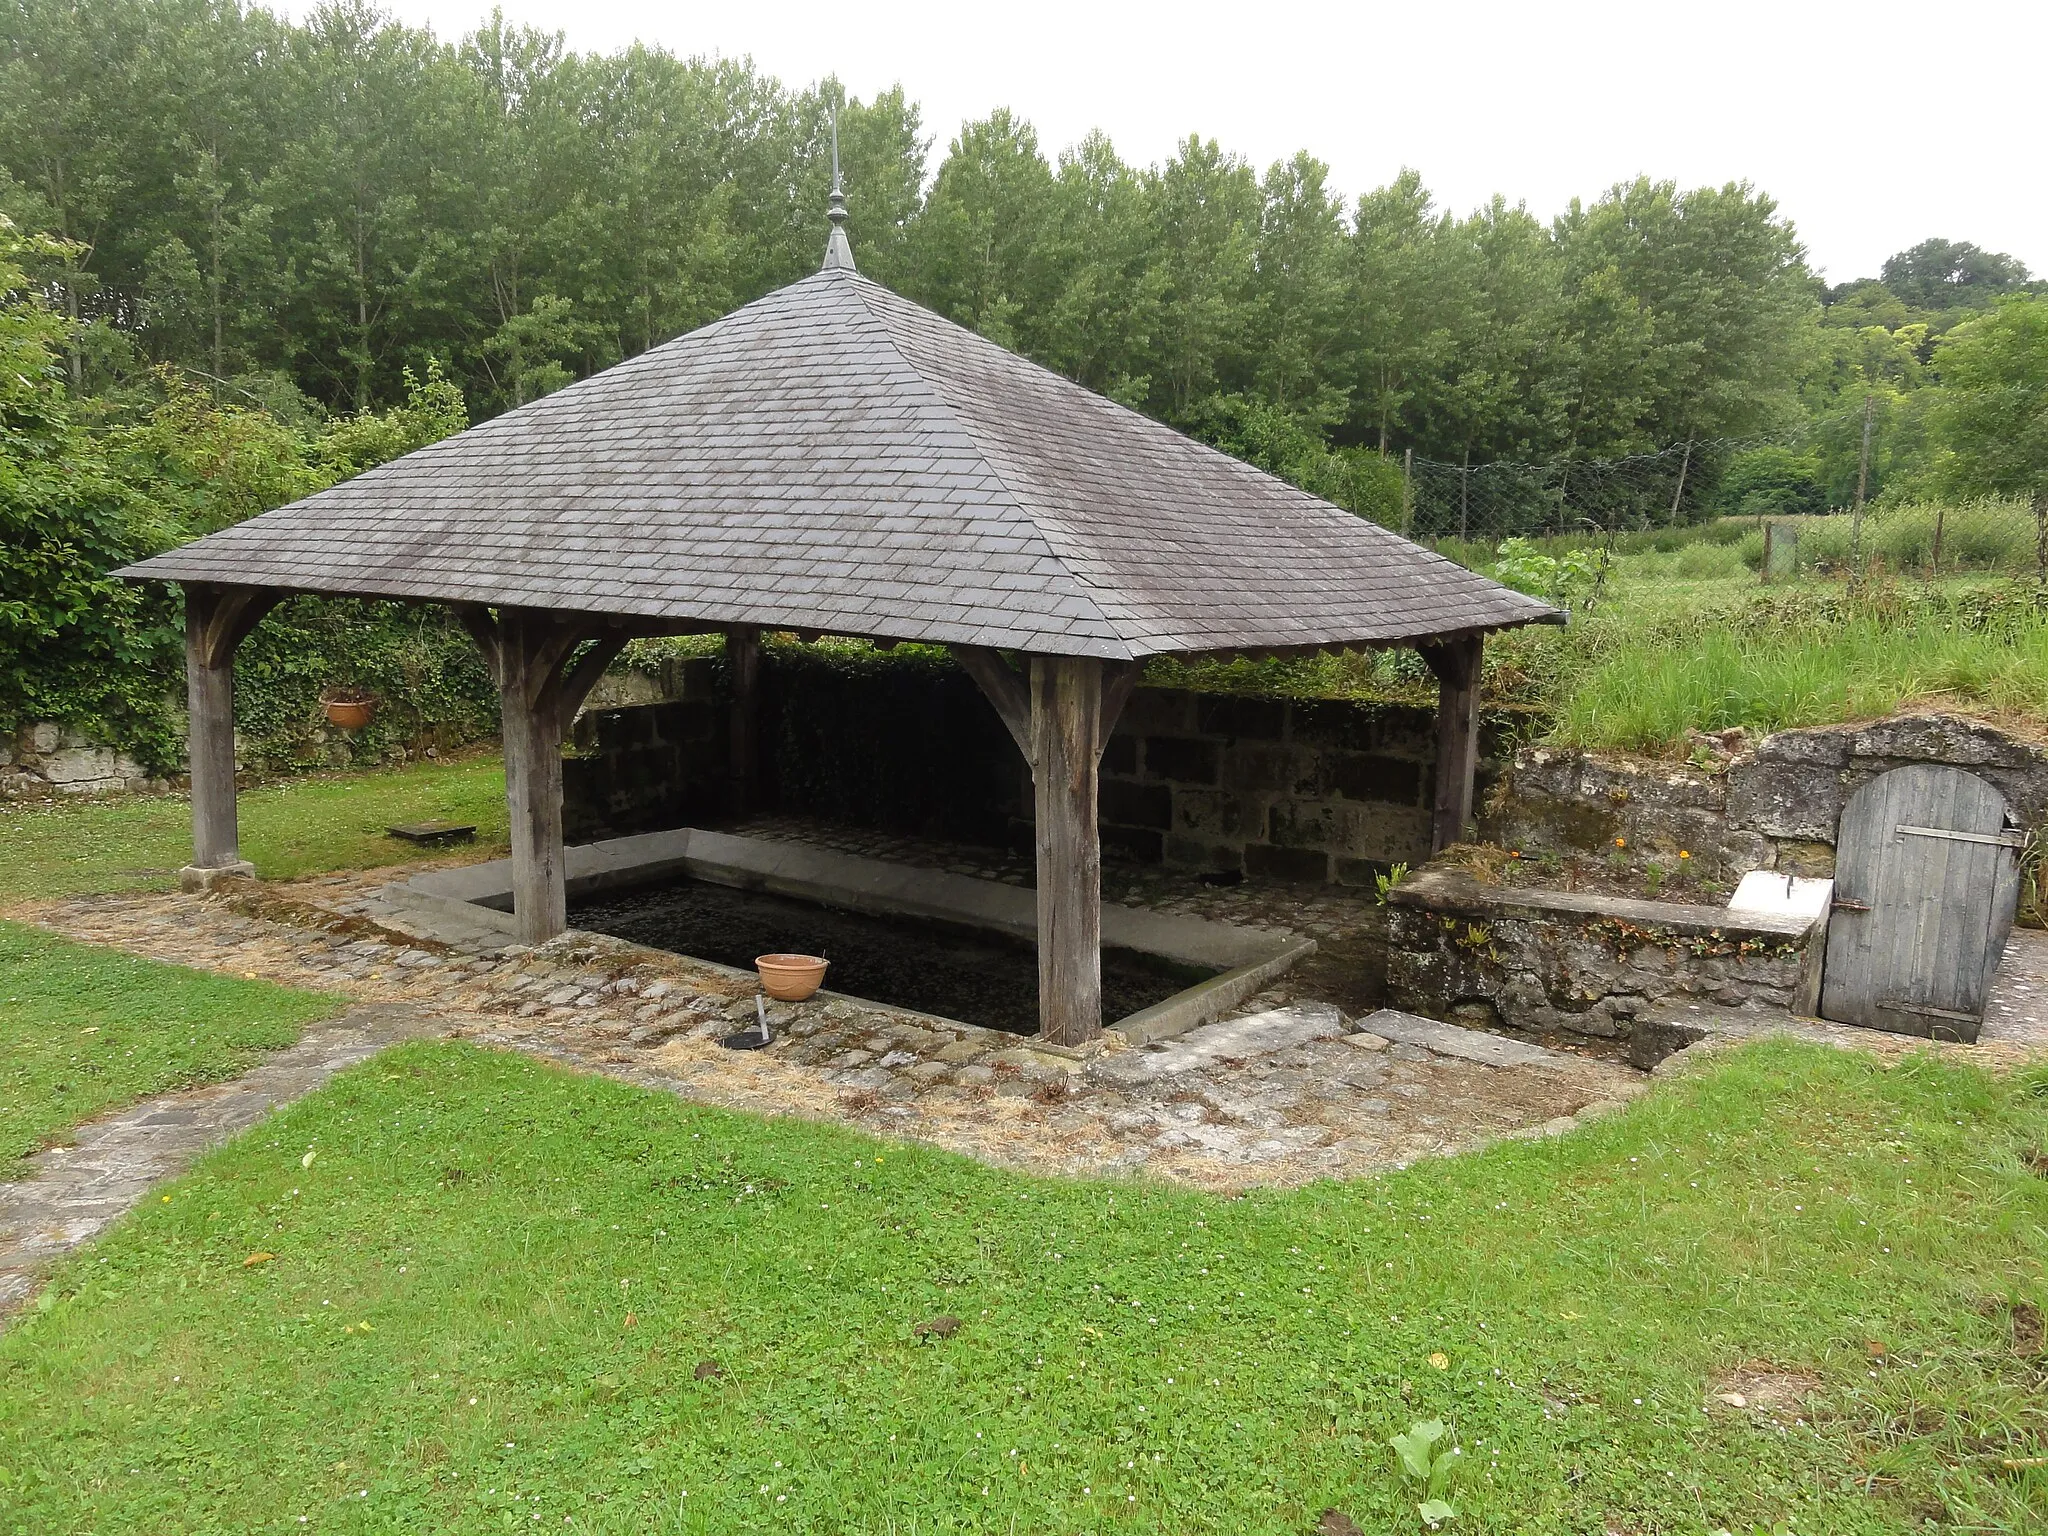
(1061, 719)
(743, 674)
(539, 691)
(1456, 665)
(1003, 688)
(217, 620)
(1066, 741)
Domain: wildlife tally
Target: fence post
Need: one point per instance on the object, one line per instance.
(1465, 497)
(1677, 496)
(2041, 537)
(1862, 486)
(1764, 569)
(1940, 518)
(1408, 493)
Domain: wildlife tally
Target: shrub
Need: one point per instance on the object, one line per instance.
(1771, 481)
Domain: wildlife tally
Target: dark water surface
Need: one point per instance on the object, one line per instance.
(958, 972)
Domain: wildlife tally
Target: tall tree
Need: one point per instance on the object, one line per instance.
(979, 236)
(1398, 304)
(1206, 211)
(1950, 274)
(1992, 420)
(1302, 340)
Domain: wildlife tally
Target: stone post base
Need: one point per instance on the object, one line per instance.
(195, 878)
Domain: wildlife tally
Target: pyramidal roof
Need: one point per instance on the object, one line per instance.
(833, 457)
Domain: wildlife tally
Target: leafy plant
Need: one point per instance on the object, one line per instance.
(1384, 884)
(1567, 579)
(1421, 1462)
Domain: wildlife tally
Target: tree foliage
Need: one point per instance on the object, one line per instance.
(80, 498)
(1991, 422)
(304, 210)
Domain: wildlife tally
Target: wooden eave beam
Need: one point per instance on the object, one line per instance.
(1008, 692)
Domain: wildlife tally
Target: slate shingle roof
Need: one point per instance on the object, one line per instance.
(833, 457)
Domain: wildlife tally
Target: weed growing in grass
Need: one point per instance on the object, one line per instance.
(1415, 1450)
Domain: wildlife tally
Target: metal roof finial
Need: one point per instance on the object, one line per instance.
(838, 251)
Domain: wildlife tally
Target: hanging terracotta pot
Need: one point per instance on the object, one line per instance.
(351, 712)
(791, 978)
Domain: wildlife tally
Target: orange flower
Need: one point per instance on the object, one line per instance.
(1683, 854)
(1621, 842)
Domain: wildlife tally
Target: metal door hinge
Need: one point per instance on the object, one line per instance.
(1844, 904)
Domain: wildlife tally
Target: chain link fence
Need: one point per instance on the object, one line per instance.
(1745, 495)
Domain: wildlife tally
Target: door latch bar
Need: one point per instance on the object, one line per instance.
(1995, 839)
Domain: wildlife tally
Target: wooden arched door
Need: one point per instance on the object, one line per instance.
(1926, 885)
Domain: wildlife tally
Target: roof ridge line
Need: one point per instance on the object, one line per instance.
(1084, 587)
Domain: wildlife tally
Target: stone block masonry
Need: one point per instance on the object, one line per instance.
(44, 760)
(1319, 791)
(646, 766)
(1773, 806)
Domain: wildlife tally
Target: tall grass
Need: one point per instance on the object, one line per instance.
(1681, 635)
(1913, 537)
(1649, 691)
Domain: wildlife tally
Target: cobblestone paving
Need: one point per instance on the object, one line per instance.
(1324, 1108)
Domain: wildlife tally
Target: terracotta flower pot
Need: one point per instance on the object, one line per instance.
(791, 978)
(349, 714)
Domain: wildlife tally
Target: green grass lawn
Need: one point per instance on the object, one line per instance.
(494, 1286)
(83, 1029)
(298, 827)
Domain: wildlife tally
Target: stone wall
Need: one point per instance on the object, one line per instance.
(1577, 962)
(44, 760)
(1328, 791)
(646, 766)
(1737, 807)
(1322, 792)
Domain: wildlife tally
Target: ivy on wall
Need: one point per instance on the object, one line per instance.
(429, 680)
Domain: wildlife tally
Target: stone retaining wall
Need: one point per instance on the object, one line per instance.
(45, 759)
(1589, 965)
(1772, 806)
(643, 766)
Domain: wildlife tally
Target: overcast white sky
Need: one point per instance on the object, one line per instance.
(1875, 124)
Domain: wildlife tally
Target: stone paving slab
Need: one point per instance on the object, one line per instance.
(1239, 1039)
(68, 1195)
(1454, 1040)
